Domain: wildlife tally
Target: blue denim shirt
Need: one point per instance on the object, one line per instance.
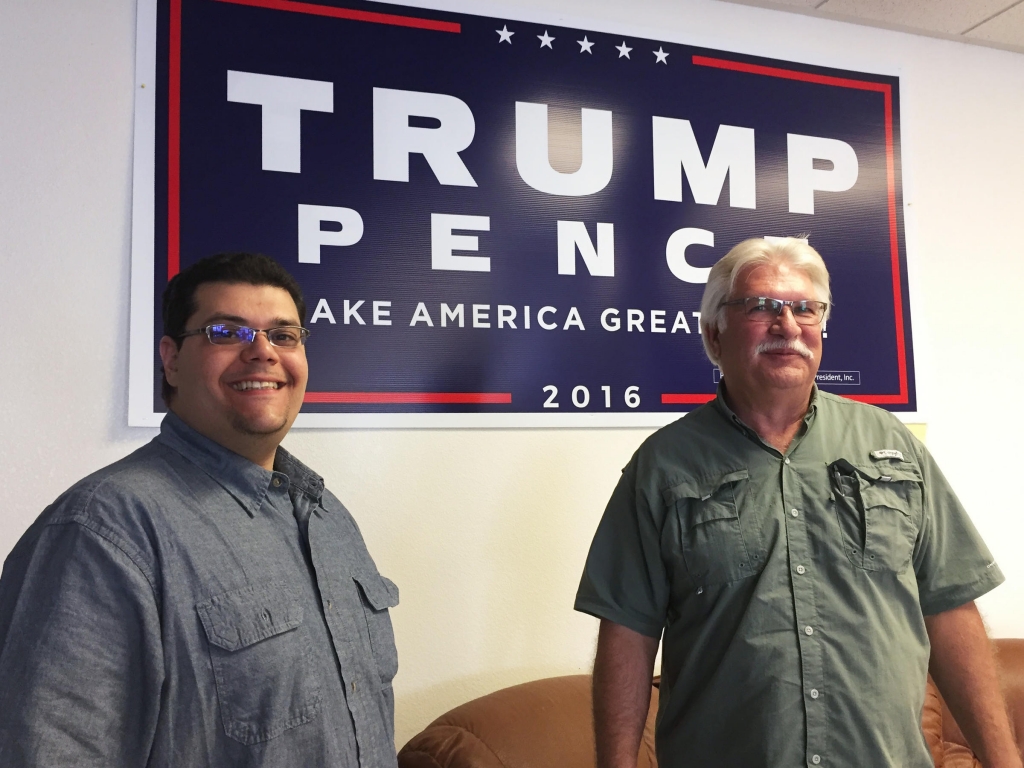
(186, 607)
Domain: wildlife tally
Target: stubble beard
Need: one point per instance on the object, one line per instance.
(245, 426)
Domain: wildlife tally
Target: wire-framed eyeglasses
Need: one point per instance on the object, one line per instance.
(226, 334)
(763, 309)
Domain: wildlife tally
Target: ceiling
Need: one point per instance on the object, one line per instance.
(996, 23)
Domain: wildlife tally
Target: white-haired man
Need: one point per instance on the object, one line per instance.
(800, 553)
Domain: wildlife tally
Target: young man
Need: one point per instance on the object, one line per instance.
(797, 553)
(204, 601)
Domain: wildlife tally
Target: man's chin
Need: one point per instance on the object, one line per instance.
(789, 376)
(260, 427)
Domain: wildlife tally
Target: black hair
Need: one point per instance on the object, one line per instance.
(179, 300)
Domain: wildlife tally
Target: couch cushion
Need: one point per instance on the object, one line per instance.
(533, 725)
(931, 723)
(1010, 660)
(959, 756)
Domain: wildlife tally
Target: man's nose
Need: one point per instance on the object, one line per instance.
(260, 348)
(785, 324)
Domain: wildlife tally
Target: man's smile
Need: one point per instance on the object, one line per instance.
(242, 386)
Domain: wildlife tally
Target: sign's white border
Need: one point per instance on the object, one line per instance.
(140, 344)
(141, 351)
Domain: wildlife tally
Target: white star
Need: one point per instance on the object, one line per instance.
(504, 36)
(623, 49)
(585, 45)
(662, 57)
(545, 40)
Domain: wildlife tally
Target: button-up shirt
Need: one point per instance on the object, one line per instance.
(186, 607)
(791, 587)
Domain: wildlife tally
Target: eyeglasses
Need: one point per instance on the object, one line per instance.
(762, 309)
(226, 334)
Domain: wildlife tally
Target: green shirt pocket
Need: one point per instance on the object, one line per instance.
(875, 509)
(262, 668)
(714, 546)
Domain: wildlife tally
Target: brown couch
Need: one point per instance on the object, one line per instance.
(547, 724)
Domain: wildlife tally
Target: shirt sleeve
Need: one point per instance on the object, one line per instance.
(952, 562)
(80, 653)
(624, 580)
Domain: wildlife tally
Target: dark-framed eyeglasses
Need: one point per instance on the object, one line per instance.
(226, 334)
(763, 309)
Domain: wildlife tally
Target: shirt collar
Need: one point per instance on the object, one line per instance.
(247, 482)
(721, 406)
(301, 477)
(812, 409)
(726, 412)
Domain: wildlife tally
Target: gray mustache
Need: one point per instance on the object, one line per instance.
(779, 345)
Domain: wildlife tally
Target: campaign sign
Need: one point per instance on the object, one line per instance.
(506, 222)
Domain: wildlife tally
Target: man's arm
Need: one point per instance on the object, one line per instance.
(81, 666)
(965, 671)
(622, 693)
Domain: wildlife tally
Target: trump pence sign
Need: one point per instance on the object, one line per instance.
(505, 222)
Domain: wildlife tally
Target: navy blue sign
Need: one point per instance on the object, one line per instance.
(513, 219)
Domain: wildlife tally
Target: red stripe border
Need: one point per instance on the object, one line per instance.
(347, 13)
(890, 162)
(790, 74)
(680, 399)
(411, 398)
(174, 144)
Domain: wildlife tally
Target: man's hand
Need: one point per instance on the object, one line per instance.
(963, 668)
(622, 693)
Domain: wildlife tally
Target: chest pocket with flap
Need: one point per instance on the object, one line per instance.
(875, 506)
(715, 546)
(379, 594)
(262, 664)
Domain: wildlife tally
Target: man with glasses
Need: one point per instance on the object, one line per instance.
(204, 601)
(797, 553)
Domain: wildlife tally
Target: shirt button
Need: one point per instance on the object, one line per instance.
(815, 759)
(277, 482)
(814, 693)
(794, 513)
(786, 461)
(353, 685)
(808, 630)
(800, 569)
(328, 605)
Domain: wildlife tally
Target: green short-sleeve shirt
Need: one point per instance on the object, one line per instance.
(791, 588)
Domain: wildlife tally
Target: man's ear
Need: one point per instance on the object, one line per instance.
(713, 337)
(169, 356)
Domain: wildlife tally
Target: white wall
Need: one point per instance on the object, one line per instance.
(486, 531)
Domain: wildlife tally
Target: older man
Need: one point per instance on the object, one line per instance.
(798, 552)
(204, 601)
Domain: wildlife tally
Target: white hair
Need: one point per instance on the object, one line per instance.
(792, 251)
